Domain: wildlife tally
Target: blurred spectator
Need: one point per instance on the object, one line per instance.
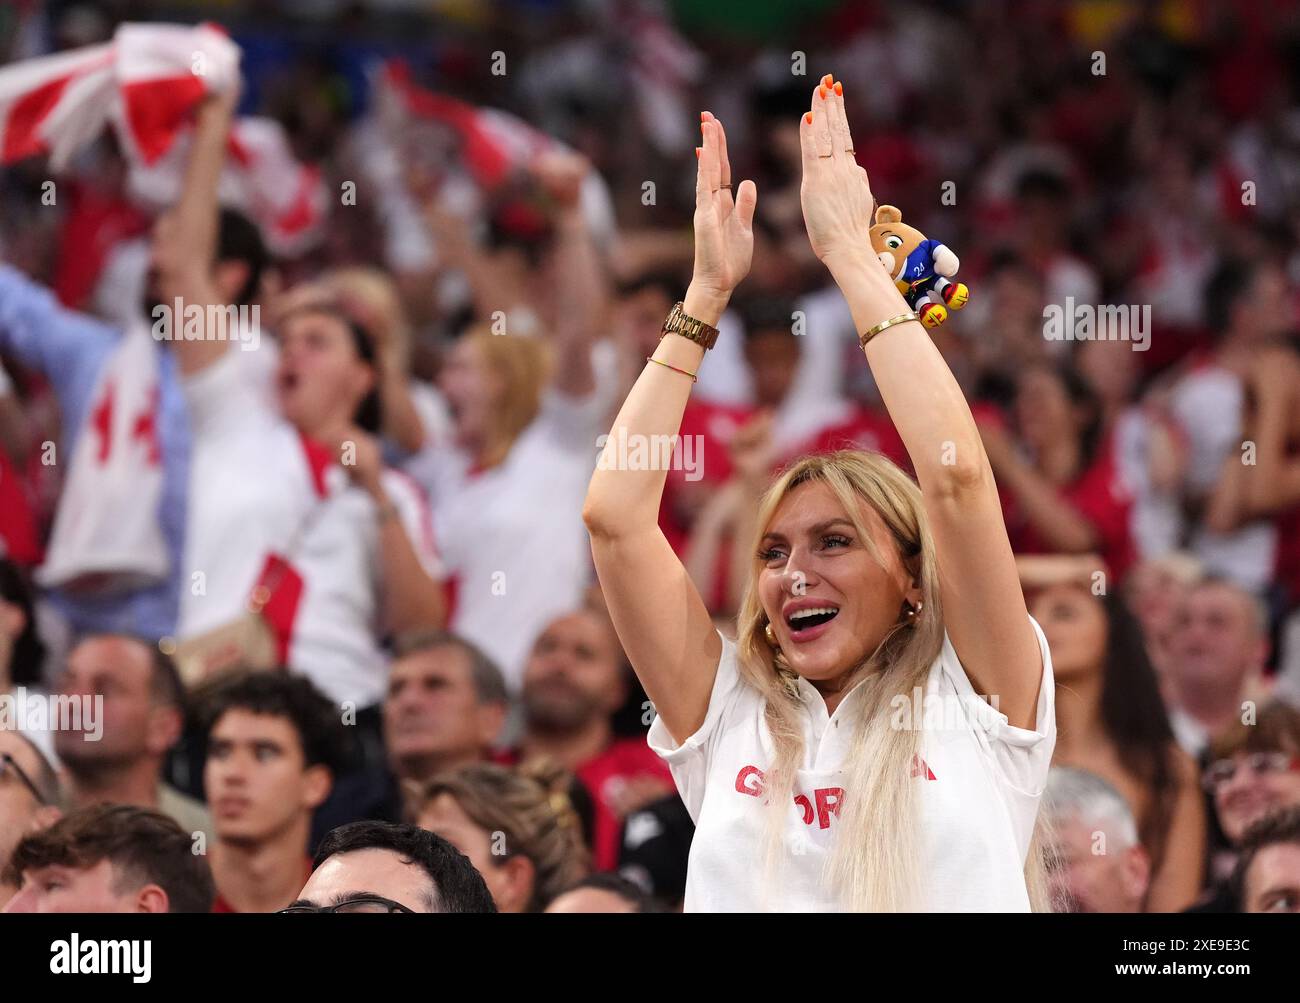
(385, 867)
(1145, 441)
(1268, 877)
(1098, 865)
(141, 717)
(1248, 306)
(656, 846)
(603, 893)
(22, 652)
(29, 799)
(518, 827)
(445, 708)
(1061, 486)
(1216, 661)
(111, 859)
(20, 535)
(507, 489)
(1266, 485)
(274, 746)
(326, 546)
(1155, 591)
(575, 680)
(1253, 771)
(1111, 721)
(132, 581)
(336, 565)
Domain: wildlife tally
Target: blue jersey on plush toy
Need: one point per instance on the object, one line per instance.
(918, 273)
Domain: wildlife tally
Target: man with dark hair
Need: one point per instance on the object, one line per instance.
(445, 706)
(29, 798)
(110, 858)
(274, 746)
(604, 893)
(140, 721)
(389, 867)
(1267, 878)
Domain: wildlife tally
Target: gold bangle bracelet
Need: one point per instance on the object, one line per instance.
(694, 378)
(900, 319)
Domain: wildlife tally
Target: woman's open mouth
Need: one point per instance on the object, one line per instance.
(810, 623)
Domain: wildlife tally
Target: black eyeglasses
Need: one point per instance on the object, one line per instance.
(360, 904)
(7, 762)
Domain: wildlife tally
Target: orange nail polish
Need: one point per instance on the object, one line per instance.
(822, 92)
(839, 89)
(808, 118)
(827, 80)
(697, 153)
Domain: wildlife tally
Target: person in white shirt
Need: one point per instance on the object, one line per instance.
(527, 412)
(289, 505)
(838, 754)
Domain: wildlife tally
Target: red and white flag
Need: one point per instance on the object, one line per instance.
(494, 144)
(144, 85)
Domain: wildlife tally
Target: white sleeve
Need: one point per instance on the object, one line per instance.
(413, 510)
(1022, 757)
(689, 761)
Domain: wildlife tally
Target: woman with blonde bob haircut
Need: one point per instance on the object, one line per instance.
(879, 734)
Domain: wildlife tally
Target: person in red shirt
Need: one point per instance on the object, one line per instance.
(275, 744)
(574, 681)
(1061, 488)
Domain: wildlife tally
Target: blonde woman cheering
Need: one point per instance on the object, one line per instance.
(838, 754)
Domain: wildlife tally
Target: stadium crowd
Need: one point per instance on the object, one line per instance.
(330, 588)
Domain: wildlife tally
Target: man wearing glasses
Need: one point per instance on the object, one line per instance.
(29, 794)
(385, 867)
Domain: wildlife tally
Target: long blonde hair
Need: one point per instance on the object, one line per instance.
(878, 868)
(523, 367)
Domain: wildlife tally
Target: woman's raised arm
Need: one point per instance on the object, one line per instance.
(661, 621)
(984, 608)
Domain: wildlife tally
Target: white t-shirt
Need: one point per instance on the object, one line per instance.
(1208, 403)
(256, 488)
(512, 537)
(980, 779)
